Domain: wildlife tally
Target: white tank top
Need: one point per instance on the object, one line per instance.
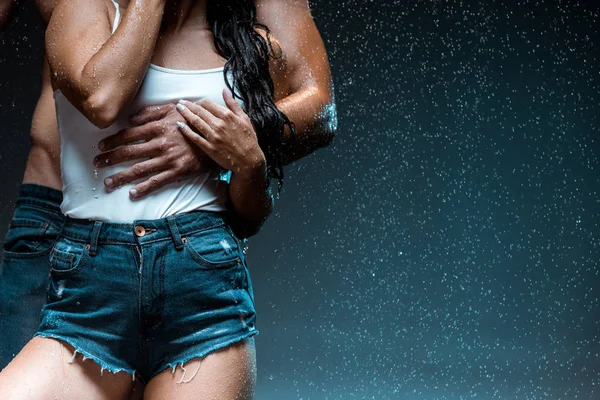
(85, 196)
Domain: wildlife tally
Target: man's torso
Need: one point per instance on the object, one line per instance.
(43, 164)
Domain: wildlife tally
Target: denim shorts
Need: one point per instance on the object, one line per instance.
(35, 226)
(151, 295)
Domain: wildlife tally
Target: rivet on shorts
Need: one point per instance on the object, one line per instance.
(184, 240)
(239, 260)
(87, 246)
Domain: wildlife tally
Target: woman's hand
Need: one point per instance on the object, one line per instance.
(225, 134)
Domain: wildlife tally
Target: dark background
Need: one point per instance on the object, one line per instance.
(446, 245)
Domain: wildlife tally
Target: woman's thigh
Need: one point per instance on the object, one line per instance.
(226, 374)
(46, 369)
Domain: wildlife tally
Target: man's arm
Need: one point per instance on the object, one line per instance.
(100, 72)
(310, 103)
(7, 10)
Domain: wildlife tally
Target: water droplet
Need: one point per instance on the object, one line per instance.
(96, 197)
(93, 146)
(96, 173)
(94, 189)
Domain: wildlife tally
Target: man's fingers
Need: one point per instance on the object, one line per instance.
(151, 184)
(232, 104)
(195, 138)
(124, 153)
(137, 171)
(150, 113)
(124, 137)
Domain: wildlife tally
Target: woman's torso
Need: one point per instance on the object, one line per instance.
(85, 196)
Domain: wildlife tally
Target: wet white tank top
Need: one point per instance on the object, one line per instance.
(84, 194)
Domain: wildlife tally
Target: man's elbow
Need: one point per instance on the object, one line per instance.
(327, 122)
(330, 124)
(100, 109)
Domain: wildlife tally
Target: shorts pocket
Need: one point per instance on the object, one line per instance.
(214, 248)
(31, 233)
(68, 257)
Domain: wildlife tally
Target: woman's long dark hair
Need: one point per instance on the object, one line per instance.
(248, 54)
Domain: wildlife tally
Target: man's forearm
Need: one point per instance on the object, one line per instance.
(307, 84)
(313, 113)
(103, 75)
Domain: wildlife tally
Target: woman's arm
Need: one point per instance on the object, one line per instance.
(228, 137)
(251, 198)
(98, 72)
(305, 96)
(310, 101)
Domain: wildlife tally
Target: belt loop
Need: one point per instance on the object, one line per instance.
(94, 238)
(175, 232)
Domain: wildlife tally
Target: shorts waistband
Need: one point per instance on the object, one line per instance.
(40, 196)
(141, 231)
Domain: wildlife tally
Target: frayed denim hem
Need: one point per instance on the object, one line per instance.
(86, 355)
(201, 354)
